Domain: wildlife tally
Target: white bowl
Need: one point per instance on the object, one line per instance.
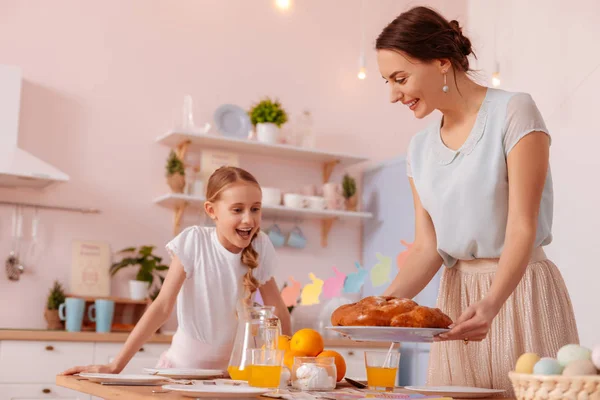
(271, 196)
(294, 200)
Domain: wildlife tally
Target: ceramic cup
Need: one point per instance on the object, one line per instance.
(276, 236)
(104, 310)
(74, 313)
(294, 200)
(271, 196)
(296, 238)
(316, 202)
(333, 196)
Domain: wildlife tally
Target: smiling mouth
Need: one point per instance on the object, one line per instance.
(244, 233)
(412, 104)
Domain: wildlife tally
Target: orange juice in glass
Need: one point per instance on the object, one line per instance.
(265, 371)
(382, 368)
(239, 373)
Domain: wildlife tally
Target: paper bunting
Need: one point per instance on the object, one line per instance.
(380, 273)
(312, 291)
(333, 286)
(355, 281)
(291, 293)
(403, 254)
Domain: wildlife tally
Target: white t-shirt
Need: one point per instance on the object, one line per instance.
(206, 304)
(465, 191)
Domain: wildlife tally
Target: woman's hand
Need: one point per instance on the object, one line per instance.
(102, 369)
(473, 324)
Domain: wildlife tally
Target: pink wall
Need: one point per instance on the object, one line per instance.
(103, 79)
(553, 56)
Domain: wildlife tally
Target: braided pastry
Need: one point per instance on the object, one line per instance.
(389, 311)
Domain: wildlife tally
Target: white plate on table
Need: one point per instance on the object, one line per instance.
(388, 333)
(124, 378)
(463, 392)
(232, 121)
(220, 391)
(185, 373)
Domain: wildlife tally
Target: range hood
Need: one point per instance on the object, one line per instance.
(18, 168)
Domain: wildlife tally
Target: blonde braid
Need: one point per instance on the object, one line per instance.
(250, 259)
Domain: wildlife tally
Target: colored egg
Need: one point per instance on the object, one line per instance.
(580, 367)
(572, 352)
(547, 366)
(526, 362)
(596, 356)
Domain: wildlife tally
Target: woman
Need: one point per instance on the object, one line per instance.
(483, 198)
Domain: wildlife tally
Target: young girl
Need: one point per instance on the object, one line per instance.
(212, 270)
(483, 207)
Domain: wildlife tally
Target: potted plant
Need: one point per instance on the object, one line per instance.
(175, 173)
(268, 116)
(55, 298)
(148, 272)
(349, 192)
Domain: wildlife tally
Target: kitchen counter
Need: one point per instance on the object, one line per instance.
(135, 392)
(64, 336)
(120, 337)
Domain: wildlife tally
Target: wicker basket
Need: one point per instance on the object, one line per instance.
(551, 387)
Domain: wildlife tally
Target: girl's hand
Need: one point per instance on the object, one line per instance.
(473, 324)
(102, 369)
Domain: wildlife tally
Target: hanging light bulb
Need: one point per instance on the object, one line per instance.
(496, 76)
(362, 70)
(283, 4)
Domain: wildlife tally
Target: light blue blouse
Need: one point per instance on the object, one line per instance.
(466, 191)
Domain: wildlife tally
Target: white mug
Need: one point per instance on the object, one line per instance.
(333, 195)
(294, 200)
(316, 202)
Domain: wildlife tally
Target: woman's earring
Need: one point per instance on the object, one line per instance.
(445, 87)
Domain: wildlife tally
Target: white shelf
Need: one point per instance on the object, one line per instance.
(175, 200)
(174, 139)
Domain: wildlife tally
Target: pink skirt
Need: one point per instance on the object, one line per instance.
(187, 352)
(538, 317)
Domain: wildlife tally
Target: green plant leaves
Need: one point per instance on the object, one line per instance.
(266, 111)
(149, 265)
(174, 165)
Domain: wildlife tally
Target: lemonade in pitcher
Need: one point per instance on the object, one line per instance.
(258, 327)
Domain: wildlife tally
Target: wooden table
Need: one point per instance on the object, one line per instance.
(135, 392)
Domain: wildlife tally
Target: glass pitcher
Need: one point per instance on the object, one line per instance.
(258, 328)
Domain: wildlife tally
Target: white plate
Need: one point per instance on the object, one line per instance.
(123, 378)
(233, 121)
(221, 391)
(464, 392)
(388, 334)
(185, 373)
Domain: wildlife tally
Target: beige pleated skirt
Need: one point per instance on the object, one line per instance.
(538, 317)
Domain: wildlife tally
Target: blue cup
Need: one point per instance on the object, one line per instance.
(74, 313)
(277, 238)
(105, 310)
(296, 238)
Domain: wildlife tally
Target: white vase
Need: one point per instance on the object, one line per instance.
(138, 290)
(267, 132)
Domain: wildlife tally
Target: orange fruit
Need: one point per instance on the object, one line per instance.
(283, 343)
(288, 358)
(340, 363)
(307, 341)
